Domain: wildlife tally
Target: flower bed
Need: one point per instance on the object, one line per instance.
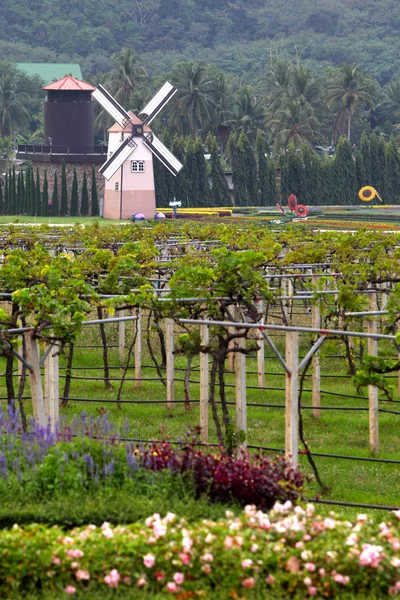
(89, 455)
(286, 551)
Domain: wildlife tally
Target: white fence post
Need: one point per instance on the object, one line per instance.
(51, 387)
(169, 346)
(204, 383)
(241, 408)
(261, 352)
(32, 358)
(292, 398)
(316, 367)
(372, 389)
(138, 349)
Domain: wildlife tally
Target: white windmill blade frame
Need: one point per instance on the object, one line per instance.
(115, 161)
(163, 96)
(163, 154)
(111, 105)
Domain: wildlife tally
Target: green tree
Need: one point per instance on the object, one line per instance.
(294, 123)
(345, 173)
(13, 192)
(248, 113)
(377, 154)
(19, 206)
(2, 211)
(84, 197)
(94, 197)
(238, 172)
(13, 112)
(392, 174)
(266, 173)
(191, 175)
(127, 74)
(311, 177)
(193, 103)
(219, 186)
(164, 180)
(203, 194)
(347, 89)
(38, 195)
(181, 186)
(64, 190)
(45, 196)
(249, 166)
(74, 196)
(361, 172)
(54, 197)
(6, 197)
(292, 175)
(366, 159)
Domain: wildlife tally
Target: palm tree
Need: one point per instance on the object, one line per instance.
(126, 76)
(7, 152)
(276, 83)
(248, 113)
(222, 109)
(193, 104)
(12, 110)
(347, 89)
(294, 123)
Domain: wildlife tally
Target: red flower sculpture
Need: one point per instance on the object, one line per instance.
(292, 202)
(301, 210)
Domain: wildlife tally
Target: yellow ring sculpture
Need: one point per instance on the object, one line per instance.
(368, 193)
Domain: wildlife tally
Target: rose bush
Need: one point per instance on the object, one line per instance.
(288, 550)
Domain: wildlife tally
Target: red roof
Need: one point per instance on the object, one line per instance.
(69, 83)
(116, 128)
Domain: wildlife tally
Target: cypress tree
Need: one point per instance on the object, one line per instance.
(84, 197)
(23, 195)
(1, 200)
(54, 197)
(392, 174)
(327, 183)
(361, 173)
(192, 175)
(366, 161)
(38, 195)
(45, 196)
(19, 207)
(64, 190)
(13, 192)
(94, 198)
(292, 175)
(164, 180)
(201, 165)
(6, 197)
(377, 154)
(311, 194)
(219, 191)
(181, 185)
(266, 172)
(344, 173)
(32, 193)
(238, 175)
(249, 168)
(28, 191)
(74, 196)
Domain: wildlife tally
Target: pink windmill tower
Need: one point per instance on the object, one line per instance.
(129, 171)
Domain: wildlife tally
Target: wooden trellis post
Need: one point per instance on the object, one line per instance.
(261, 353)
(316, 367)
(231, 330)
(292, 398)
(32, 358)
(51, 387)
(204, 383)
(169, 346)
(372, 389)
(241, 407)
(121, 337)
(138, 349)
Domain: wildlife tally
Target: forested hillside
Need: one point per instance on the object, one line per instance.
(237, 36)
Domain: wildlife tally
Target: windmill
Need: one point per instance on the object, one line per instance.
(128, 170)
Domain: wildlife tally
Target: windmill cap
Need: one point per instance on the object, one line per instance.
(116, 128)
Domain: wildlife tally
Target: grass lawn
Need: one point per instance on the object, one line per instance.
(336, 432)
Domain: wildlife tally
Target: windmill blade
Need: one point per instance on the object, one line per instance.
(118, 158)
(111, 105)
(155, 105)
(163, 154)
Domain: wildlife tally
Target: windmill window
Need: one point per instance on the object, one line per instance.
(137, 166)
(116, 186)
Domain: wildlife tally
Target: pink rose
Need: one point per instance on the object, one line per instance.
(185, 558)
(82, 575)
(56, 560)
(112, 578)
(70, 589)
(207, 557)
(149, 561)
(228, 542)
(179, 578)
(270, 580)
(141, 582)
(310, 567)
(246, 563)
(307, 581)
(206, 569)
(248, 583)
(74, 553)
(172, 588)
(312, 590)
(159, 576)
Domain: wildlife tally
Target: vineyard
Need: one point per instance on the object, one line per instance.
(199, 348)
